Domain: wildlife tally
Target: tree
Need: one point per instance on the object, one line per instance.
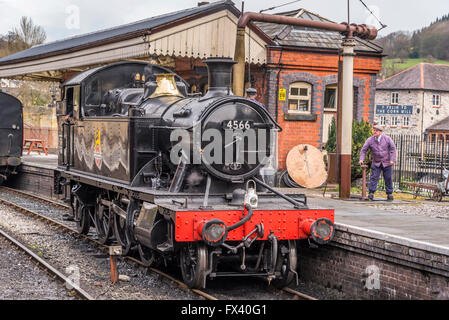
(28, 33)
(361, 131)
(24, 37)
(18, 39)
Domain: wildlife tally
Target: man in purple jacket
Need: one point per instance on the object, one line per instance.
(384, 157)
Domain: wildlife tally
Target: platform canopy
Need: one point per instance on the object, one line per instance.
(205, 31)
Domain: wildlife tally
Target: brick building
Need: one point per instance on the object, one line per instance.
(294, 69)
(415, 101)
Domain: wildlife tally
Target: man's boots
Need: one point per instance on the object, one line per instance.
(371, 196)
(390, 197)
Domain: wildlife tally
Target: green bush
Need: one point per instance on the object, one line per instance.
(361, 131)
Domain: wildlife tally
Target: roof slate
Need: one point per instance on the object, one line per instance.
(443, 125)
(309, 37)
(281, 34)
(85, 39)
(424, 76)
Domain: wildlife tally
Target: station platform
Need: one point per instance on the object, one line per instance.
(361, 214)
(386, 221)
(49, 161)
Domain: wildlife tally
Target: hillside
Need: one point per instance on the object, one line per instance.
(391, 67)
(405, 49)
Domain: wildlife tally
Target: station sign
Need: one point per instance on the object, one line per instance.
(396, 109)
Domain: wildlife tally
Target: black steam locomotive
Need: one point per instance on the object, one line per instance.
(11, 131)
(177, 177)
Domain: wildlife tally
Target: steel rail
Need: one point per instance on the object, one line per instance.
(181, 284)
(45, 265)
(102, 246)
(36, 197)
(299, 294)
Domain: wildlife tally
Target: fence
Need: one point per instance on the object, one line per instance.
(419, 160)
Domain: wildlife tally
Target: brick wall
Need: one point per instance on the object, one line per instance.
(34, 179)
(370, 265)
(319, 70)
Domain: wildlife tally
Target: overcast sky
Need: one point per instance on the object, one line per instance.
(65, 18)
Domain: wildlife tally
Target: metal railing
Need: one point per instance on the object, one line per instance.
(419, 160)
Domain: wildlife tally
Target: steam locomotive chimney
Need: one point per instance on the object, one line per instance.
(220, 75)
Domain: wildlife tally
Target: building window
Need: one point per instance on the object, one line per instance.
(395, 98)
(436, 100)
(383, 121)
(394, 121)
(330, 98)
(406, 121)
(300, 97)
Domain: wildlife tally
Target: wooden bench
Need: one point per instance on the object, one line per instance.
(437, 194)
(34, 145)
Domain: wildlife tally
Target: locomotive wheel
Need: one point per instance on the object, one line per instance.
(82, 218)
(147, 255)
(121, 230)
(103, 222)
(285, 263)
(194, 264)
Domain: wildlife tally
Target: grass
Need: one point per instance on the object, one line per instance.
(406, 63)
(381, 193)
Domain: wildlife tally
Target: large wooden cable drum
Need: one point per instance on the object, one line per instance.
(306, 167)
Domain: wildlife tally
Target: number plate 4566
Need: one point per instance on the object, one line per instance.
(238, 125)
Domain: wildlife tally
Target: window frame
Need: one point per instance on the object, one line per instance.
(395, 95)
(433, 100)
(404, 122)
(300, 85)
(332, 87)
(395, 121)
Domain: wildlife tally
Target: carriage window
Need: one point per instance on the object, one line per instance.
(300, 97)
(72, 101)
(92, 93)
(68, 101)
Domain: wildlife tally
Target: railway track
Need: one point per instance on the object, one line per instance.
(52, 271)
(63, 225)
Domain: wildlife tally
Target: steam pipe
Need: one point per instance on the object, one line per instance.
(362, 31)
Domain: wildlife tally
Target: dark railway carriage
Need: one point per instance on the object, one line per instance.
(176, 177)
(11, 133)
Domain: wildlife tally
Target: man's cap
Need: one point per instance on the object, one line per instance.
(251, 91)
(377, 126)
